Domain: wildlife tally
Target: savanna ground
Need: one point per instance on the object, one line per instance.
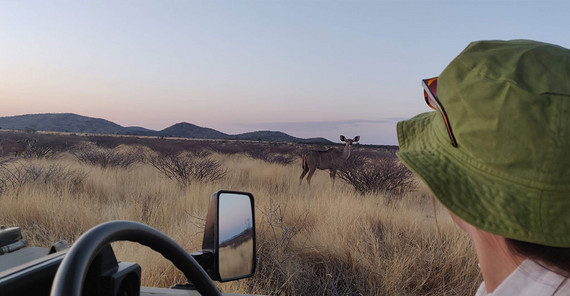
(373, 233)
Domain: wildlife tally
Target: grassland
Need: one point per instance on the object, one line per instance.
(311, 240)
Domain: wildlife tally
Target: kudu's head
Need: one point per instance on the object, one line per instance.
(346, 150)
(349, 141)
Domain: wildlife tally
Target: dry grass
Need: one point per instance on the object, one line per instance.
(233, 257)
(311, 240)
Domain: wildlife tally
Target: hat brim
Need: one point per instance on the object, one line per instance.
(484, 200)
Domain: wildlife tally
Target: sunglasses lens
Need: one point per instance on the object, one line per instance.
(432, 84)
(430, 92)
(429, 101)
(430, 95)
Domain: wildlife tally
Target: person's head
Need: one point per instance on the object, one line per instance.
(497, 152)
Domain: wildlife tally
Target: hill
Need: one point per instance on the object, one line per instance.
(69, 122)
(187, 130)
(273, 136)
(60, 122)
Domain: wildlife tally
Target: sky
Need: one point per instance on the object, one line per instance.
(235, 215)
(306, 68)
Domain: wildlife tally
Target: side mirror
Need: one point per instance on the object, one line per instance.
(228, 248)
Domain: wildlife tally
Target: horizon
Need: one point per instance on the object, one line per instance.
(310, 69)
(173, 124)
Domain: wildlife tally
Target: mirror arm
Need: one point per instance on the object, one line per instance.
(206, 259)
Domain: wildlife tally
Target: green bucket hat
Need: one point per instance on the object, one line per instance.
(508, 103)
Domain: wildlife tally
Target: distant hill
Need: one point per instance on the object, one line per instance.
(69, 122)
(137, 130)
(278, 137)
(187, 130)
(60, 122)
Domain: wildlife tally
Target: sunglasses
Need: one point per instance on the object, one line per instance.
(430, 95)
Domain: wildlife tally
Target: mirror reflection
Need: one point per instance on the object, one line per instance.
(235, 235)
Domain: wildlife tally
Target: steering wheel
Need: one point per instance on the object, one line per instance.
(73, 269)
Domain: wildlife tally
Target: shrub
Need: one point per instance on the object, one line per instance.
(202, 153)
(385, 175)
(17, 176)
(185, 168)
(106, 157)
(270, 156)
(39, 152)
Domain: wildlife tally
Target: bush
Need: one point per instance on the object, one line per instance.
(385, 175)
(106, 157)
(39, 152)
(271, 157)
(185, 168)
(17, 176)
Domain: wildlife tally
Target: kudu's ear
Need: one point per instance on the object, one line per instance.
(356, 138)
(342, 138)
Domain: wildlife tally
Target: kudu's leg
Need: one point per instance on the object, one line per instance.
(305, 171)
(305, 167)
(333, 175)
(311, 172)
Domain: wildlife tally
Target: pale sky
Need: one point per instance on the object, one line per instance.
(306, 68)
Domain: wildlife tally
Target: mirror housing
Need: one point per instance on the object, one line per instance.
(228, 249)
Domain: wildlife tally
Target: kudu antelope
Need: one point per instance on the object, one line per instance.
(18, 147)
(331, 159)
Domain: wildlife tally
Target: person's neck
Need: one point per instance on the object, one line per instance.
(496, 261)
